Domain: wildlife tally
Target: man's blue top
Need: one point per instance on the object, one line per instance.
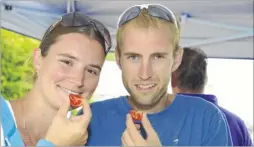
(238, 129)
(187, 121)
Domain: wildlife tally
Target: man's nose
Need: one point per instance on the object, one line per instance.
(145, 70)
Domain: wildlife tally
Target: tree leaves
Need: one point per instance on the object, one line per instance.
(16, 70)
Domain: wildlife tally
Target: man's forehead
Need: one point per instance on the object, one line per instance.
(132, 33)
(133, 29)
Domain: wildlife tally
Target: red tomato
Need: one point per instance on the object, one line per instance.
(75, 100)
(136, 116)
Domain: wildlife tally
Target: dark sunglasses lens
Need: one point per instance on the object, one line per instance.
(104, 31)
(158, 12)
(129, 15)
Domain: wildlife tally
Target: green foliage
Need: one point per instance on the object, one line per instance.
(16, 67)
(110, 56)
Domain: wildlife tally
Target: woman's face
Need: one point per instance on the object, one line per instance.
(72, 65)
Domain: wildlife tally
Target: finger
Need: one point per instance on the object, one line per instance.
(123, 142)
(147, 125)
(86, 137)
(127, 139)
(85, 118)
(83, 140)
(86, 106)
(86, 109)
(137, 126)
(63, 110)
(132, 131)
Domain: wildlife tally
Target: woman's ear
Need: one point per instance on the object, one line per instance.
(37, 59)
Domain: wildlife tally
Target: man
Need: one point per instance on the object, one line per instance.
(190, 79)
(147, 52)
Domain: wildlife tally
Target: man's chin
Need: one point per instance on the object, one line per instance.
(142, 101)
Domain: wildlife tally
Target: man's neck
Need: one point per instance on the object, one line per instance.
(163, 103)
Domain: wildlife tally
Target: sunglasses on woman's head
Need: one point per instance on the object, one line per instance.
(78, 19)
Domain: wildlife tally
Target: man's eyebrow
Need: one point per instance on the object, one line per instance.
(160, 53)
(155, 53)
(131, 53)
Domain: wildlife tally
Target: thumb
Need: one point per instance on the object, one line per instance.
(147, 125)
(63, 110)
(86, 106)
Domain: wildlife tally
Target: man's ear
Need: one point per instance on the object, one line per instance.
(173, 81)
(37, 59)
(117, 57)
(177, 59)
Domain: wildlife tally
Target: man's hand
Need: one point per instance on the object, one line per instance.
(132, 137)
(69, 132)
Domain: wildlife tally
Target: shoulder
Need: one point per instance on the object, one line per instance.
(231, 117)
(236, 124)
(7, 117)
(213, 122)
(6, 109)
(198, 104)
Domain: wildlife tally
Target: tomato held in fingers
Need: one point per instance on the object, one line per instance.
(136, 116)
(75, 101)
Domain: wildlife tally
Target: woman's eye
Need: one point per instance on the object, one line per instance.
(92, 71)
(69, 63)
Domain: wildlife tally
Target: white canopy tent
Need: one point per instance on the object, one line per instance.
(224, 29)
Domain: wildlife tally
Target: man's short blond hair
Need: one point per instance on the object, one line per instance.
(145, 20)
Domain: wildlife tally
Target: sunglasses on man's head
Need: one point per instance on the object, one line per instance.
(154, 10)
(78, 19)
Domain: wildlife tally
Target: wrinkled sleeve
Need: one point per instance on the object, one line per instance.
(218, 133)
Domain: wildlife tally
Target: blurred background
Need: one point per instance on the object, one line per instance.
(223, 29)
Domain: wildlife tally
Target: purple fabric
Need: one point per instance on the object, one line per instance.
(239, 131)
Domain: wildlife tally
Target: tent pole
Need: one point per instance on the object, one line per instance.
(70, 6)
(222, 39)
(219, 25)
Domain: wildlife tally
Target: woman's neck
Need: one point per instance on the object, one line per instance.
(33, 115)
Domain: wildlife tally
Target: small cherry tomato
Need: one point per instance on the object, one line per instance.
(75, 101)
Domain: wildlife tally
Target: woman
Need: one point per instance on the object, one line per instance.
(68, 61)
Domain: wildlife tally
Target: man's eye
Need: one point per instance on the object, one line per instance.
(133, 57)
(158, 57)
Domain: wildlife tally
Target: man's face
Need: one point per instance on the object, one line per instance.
(72, 65)
(146, 60)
